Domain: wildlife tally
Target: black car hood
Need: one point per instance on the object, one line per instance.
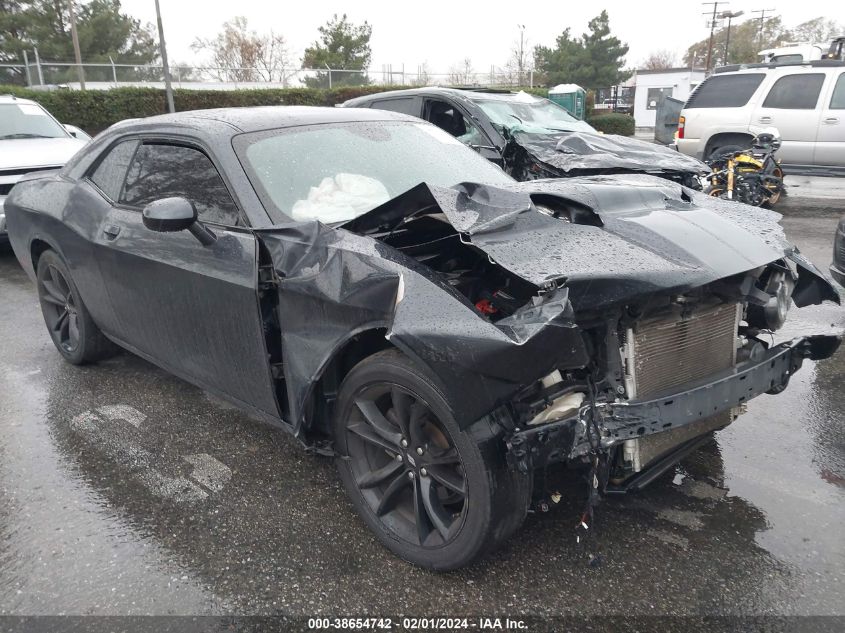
(630, 235)
(576, 153)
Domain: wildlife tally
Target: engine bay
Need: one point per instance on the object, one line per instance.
(431, 240)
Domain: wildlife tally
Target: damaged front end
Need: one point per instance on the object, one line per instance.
(613, 320)
(532, 156)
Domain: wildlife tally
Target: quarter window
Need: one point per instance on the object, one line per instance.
(405, 105)
(795, 92)
(109, 174)
(837, 101)
(725, 91)
(161, 171)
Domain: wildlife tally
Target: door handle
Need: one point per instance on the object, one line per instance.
(111, 231)
(765, 119)
(831, 120)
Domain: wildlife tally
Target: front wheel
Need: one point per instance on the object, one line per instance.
(715, 191)
(433, 494)
(777, 191)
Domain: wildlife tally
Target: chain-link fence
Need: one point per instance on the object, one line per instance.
(98, 76)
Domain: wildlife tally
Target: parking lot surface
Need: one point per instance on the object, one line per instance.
(124, 490)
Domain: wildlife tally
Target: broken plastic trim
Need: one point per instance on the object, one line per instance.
(570, 438)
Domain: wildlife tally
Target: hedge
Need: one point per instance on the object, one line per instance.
(95, 110)
(613, 123)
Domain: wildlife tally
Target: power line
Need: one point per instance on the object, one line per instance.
(762, 19)
(715, 6)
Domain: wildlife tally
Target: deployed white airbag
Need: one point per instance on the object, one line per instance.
(344, 197)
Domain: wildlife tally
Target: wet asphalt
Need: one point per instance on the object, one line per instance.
(124, 490)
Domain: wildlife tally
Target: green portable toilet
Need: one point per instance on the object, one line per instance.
(571, 97)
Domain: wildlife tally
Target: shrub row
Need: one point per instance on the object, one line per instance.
(95, 110)
(613, 123)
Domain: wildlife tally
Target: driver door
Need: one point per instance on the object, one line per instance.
(190, 308)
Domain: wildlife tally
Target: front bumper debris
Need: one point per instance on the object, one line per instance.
(618, 421)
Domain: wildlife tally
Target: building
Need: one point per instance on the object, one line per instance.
(652, 86)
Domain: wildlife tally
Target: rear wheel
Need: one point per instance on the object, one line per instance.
(71, 327)
(718, 152)
(433, 494)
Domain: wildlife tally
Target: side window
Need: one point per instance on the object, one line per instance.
(160, 171)
(795, 92)
(109, 174)
(448, 118)
(837, 101)
(405, 105)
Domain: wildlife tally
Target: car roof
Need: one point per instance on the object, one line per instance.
(472, 94)
(781, 67)
(254, 119)
(14, 99)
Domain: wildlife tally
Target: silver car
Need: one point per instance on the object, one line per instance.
(31, 140)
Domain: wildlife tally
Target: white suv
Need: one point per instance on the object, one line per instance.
(805, 102)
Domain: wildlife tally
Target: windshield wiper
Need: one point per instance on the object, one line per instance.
(23, 135)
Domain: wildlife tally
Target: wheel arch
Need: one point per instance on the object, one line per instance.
(357, 346)
(725, 138)
(36, 248)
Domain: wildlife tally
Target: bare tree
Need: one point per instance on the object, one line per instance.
(423, 77)
(660, 60)
(520, 63)
(462, 74)
(241, 54)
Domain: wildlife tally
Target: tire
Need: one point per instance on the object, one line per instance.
(68, 321)
(434, 495)
(716, 152)
(775, 198)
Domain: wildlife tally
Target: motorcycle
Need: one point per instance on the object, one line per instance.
(752, 175)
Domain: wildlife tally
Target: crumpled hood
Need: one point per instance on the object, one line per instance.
(632, 235)
(580, 152)
(22, 153)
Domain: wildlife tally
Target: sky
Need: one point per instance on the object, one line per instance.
(441, 33)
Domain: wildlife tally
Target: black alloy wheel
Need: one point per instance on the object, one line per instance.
(405, 465)
(434, 493)
(59, 306)
(71, 327)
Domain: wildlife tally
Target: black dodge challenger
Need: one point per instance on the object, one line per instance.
(366, 282)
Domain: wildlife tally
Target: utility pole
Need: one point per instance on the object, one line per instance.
(762, 19)
(730, 16)
(712, 28)
(521, 60)
(168, 89)
(74, 36)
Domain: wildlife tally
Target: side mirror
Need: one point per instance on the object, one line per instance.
(170, 215)
(75, 132)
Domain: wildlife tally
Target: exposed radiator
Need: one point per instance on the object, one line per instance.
(671, 351)
(664, 353)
